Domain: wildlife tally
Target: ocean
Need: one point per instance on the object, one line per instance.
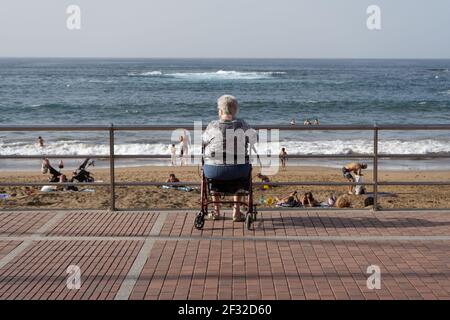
(180, 91)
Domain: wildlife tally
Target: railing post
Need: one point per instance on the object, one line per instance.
(375, 168)
(112, 179)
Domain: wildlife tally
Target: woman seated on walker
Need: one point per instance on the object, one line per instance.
(228, 160)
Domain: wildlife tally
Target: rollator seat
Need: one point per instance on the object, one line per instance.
(229, 187)
(228, 179)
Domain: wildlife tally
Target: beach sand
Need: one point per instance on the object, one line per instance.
(154, 197)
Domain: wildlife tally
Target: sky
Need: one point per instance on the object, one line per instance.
(225, 29)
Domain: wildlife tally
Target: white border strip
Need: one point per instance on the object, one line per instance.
(133, 274)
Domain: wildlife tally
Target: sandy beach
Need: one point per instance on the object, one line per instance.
(154, 197)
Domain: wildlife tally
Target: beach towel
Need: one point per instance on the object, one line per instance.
(48, 189)
(293, 204)
(4, 196)
(180, 188)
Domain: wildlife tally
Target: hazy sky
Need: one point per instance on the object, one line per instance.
(226, 28)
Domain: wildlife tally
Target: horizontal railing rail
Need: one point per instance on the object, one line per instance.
(111, 129)
(405, 127)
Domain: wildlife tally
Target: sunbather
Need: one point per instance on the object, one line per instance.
(55, 174)
(291, 200)
(308, 200)
(263, 177)
(172, 178)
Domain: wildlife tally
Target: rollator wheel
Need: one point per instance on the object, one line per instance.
(199, 221)
(248, 221)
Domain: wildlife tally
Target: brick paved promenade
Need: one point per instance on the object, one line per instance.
(289, 255)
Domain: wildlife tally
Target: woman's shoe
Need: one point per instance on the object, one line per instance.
(214, 215)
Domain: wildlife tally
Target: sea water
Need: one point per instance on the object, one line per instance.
(174, 92)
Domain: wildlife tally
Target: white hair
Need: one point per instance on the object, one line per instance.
(228, 105)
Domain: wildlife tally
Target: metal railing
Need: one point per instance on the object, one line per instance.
(112, 184)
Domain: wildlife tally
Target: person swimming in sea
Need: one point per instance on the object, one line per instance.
(40, 142)
(293, 121)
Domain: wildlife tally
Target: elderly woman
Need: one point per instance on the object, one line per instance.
(227, 142)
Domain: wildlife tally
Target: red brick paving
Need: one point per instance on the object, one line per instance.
(226, 268)
(40, 272)
(319, 223)
(293, 270)
(103, 223)
(7, 246)
(23, 223)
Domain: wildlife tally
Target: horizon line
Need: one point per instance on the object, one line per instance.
(215, 58)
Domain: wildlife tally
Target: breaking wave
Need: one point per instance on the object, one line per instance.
(339, 147)
(218, 75)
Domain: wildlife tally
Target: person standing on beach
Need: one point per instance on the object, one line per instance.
(283, 158)
(173, 153)
(184, 147)
(355, 168)
(316, 122)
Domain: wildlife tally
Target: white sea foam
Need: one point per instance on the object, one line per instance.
(100, 81)
(145, 74)
(362, 146)
(218, 75)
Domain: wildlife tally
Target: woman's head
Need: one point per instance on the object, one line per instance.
(227, 106)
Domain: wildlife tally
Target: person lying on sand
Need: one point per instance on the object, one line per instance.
(263, 177)
(172, 178)
(57, 176)
(291, 200)
(308, 200)
(355, 168)
(46, 167)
